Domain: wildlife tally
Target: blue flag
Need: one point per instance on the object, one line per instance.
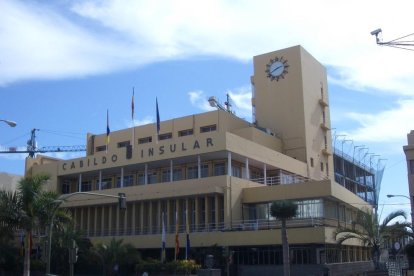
(158, 117)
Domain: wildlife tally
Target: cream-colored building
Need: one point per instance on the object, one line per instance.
(409, 155)
(219, 174)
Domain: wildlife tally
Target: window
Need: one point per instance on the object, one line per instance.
(165, 175)
(321, 166)
(165, 136)
(192, 172)
(128, 181)
(141, 179)
(236, 171)
(208, 128)
(219, 169)
(145, 140)
(204, 170)
(311, 161)
(411, 162)
(177, 174)
(66, 187)
(86, 186)
(106, 183)
(123, 144)
(100, 148)
(185, 132)
(152, 177)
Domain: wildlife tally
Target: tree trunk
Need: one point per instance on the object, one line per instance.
(26, 265)
(286, 255)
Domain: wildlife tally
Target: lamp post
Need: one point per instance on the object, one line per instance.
(407, 197)
(10, 123)
(121, 204)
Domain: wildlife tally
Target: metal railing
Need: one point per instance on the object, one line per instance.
(246, 225)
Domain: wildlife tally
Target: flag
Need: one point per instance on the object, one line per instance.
(107, 130)
(177, 241)
(158, 117)
(163, 240)
(187, 231)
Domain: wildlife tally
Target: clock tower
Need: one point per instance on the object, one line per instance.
(290, 100)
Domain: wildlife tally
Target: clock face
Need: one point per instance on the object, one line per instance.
(277, 68)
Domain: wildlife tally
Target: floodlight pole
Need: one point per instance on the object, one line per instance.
(395, 43)
(122, 205)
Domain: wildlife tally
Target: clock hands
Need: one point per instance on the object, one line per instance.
(276, 68)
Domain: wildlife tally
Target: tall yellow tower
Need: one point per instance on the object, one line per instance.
(290, 100)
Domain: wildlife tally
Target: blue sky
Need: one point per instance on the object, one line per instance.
(64, 63)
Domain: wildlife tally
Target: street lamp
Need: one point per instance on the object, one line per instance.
(407, 197)
(121, 204)
(10, 123)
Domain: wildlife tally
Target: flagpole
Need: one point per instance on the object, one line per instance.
(107, 130)
(132, 116)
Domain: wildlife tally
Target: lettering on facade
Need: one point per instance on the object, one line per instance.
(149, 152)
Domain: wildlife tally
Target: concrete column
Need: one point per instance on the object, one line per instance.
(100, 181)
(197, 213)
(110, 220)
(217, 210)
(171, 171)
(168, 215)
(80, 183)
(103, 220)
(159, 217)
(133, 218)
(117, 223)
(95, 221)
(122, 177)
(88, 224)
(142, 217)
(146, 174)
(82, 226)
(247, 169)
(187, 213)
(229, 164)
(207, 211)
(150, 213)
(199, 166)
(265, 174)
(177, 214)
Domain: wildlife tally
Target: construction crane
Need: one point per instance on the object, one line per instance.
(32, 148)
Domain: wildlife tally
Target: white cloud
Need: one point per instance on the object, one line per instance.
(387, 126)
(81, 38)
(200, 100)
(140, 122)
(242, 102)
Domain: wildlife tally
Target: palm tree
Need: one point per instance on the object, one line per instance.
(9, 219)
(283, 211)
(29, 190)
(371, 233)
(115, 254)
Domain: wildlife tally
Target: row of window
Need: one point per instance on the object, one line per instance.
(164, 136)
(154, 176)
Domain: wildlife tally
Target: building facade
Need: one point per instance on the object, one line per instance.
(215, 175)
(409, 155)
